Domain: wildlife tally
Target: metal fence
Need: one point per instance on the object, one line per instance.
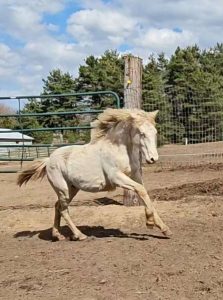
(14, 155)
(190, 125)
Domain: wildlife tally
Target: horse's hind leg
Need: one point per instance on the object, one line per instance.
(65, 194)
(61, 209)
(56, 235)
(64, 202)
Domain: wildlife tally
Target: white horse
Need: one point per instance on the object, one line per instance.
(110, 160)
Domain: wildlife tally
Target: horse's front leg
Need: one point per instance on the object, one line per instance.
(121, 180)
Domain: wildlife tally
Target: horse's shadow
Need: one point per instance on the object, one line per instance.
(90, 231)
(107, 201)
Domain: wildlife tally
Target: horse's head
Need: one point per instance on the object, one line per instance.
(119, 125)
(148, 138)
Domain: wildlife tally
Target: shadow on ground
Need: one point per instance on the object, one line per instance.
(90, 231)
(106, 201)
(96, 202)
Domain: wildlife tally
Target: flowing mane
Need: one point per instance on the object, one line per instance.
(111, 117)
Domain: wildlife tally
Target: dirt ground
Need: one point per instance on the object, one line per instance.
(121, 259)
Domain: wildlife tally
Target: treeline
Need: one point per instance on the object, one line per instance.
(187, 88)
(98, 74)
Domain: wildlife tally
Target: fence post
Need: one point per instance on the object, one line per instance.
(133, 82)
(133, 99)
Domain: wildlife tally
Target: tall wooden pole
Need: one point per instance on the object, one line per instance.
(133, 99)
(133, 82)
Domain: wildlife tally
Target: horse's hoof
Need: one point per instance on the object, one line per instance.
(80, 237)
(58, 237)
(150, 225)
(167, 233)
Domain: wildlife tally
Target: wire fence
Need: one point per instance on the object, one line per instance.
(190, 125)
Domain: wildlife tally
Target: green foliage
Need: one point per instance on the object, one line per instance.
(7, 122)
(104, 73)
(78, 136)
(187, 88)
(197, 99)
(100, 74)
(154, 97)
(58, 83)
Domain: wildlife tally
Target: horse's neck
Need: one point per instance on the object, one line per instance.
(119, 135)
(134, 151)
(129, 139)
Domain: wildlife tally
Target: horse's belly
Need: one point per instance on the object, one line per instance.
(89, 184)
(87, 174)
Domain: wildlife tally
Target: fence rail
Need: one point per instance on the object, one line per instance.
(23, 152)
(190, 126)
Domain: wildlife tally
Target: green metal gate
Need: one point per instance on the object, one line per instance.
(5, 160)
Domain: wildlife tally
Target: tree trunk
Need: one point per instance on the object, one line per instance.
(133, 99)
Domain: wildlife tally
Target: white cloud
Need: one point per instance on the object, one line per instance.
(53, 54)
(23, 67)
(36, 5)
(52, 27)
(144, 27)
(201, 17)
(23, 19)
(88, 26)
(7, 57)
(166, 40)
(9, 62)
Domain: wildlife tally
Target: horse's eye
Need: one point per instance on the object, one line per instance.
(142, 134)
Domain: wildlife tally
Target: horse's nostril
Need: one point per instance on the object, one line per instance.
(152, 159)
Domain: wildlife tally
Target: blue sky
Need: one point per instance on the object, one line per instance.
(37, 36)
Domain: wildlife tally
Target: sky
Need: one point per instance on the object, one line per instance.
(37, 36)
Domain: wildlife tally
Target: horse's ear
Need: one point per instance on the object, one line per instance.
(153, 114)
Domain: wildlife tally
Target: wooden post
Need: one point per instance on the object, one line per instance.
(133, 99)
(133, 82)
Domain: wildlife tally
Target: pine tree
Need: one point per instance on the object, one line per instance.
(58, 82)
(34, 106)
(154, 97)
(183, 66)
(7, 122)
(100, 74)
(196, 94)
(210, 85)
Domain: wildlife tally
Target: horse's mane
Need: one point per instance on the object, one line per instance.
(111, 117)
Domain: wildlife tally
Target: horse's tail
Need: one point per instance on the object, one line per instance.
(36, 171)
